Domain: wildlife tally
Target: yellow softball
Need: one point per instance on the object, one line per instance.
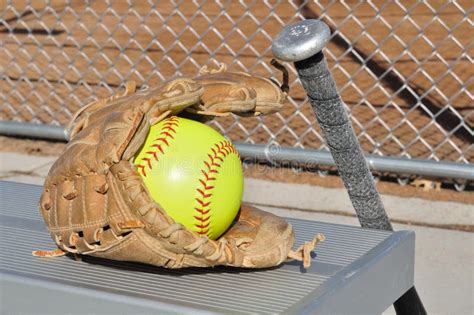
(194, 173)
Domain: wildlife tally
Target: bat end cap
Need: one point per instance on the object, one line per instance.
(301, 40)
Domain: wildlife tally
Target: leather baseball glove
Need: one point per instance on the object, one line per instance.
(95, 203)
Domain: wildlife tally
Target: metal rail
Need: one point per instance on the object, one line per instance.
(277, 154)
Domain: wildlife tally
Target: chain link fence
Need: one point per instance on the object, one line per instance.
(404, 69)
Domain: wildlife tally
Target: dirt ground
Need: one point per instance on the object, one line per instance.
(405, 91)
(385, 185)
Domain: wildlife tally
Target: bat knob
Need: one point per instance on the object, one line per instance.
(301, 40)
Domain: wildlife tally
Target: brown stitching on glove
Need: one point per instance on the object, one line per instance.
(219, 252)
(131, 224)
(243, 242)
(145, 208)
(303, 253)
(49, 253)
(285, 87)
(175, 263)
(106, 206)
(73, 237)
(55, 208)
(83, 199)
(120, 245)
(166, 233)
(70, 209)
(89, 224)
(206, 70)
(101, 232)
(195, 248)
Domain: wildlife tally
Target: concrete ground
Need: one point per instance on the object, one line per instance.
(444, 268)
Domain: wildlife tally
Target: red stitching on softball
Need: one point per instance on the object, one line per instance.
(219, 152)
(148, 162)
(202, 203)
(202, 211)
(167, 134)
(166, 131)
(142, 169)
(203, 193)
(203, 183)
(157, 146)
(164, 140)
(153, 153)
(202, 219)
(207, 176)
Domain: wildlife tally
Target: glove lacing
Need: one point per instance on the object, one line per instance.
(303, 253)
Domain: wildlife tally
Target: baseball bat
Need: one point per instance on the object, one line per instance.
(302, 43)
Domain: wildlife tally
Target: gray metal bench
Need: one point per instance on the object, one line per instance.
(355, 271)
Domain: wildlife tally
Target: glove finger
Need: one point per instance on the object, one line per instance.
(261, 238)
(242, 92)
(226, 99)
(80, 120)
(179, 94)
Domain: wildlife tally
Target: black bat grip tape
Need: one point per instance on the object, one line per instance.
(342, 141)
